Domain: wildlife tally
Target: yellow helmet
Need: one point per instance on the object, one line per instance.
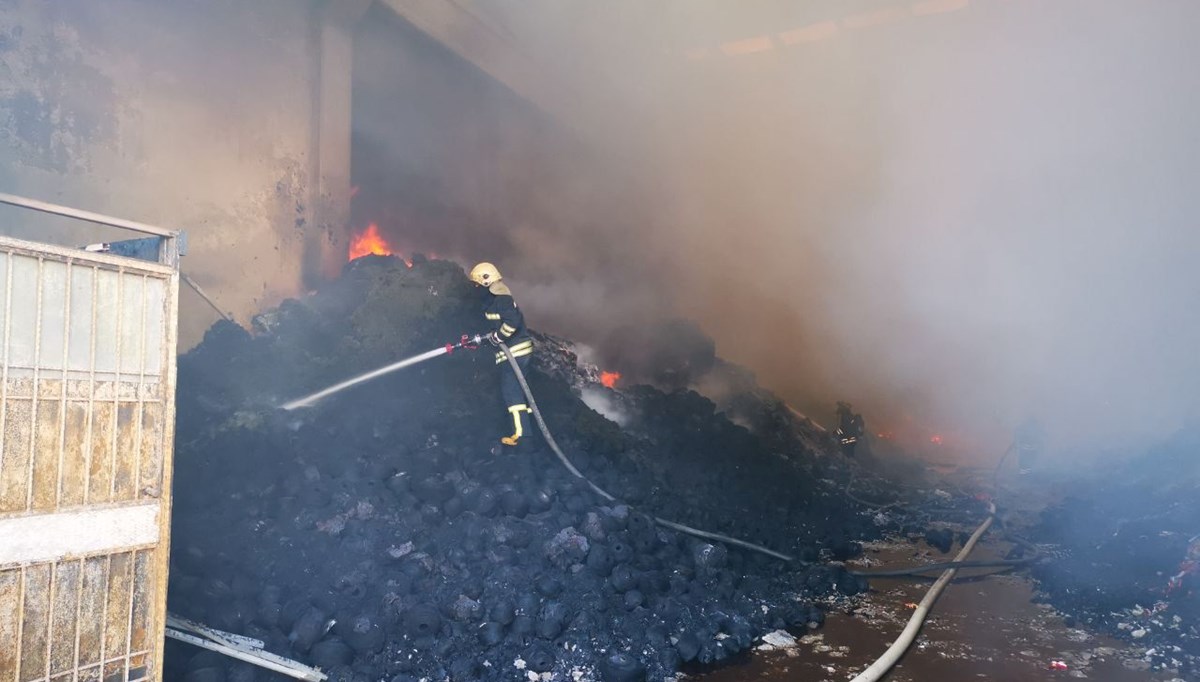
(485, 274)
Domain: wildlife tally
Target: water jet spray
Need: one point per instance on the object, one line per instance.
(468, 342)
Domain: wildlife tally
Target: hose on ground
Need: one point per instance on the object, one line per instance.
(884, 663)
(921, 570)
(996, 472)
(875, 505)
(537, 415)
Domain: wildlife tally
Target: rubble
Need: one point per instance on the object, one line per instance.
(1126, 539)
(377, 535)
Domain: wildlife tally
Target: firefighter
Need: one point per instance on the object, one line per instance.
(1028, 439)
(850, 428)
(508, 324)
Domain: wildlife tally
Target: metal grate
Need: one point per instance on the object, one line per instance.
(85, 619)
(87, 346)
(83, 391)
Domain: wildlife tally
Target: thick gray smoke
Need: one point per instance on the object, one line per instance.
(953, 213)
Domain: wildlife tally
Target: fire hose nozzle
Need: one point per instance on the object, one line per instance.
(468, 342)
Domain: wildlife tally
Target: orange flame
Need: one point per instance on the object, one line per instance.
(936, 439)
(610, 379)
(368, 242)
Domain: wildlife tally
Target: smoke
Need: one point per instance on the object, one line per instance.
(602, 402)
(954, 214)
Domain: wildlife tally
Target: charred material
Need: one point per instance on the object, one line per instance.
(377, 536)
(1130, 554)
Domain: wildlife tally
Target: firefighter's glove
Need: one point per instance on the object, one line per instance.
(494, 339)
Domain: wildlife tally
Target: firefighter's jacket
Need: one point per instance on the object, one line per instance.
(506, 319)
(850, 428)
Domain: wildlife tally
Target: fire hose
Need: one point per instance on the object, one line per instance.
(603, 493)
(875, 671)
(884, 663)
(471, 343)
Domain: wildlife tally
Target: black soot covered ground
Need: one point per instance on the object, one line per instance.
(1127, 552)
(377, 536)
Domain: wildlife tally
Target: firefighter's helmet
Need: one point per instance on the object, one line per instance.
(485, 274)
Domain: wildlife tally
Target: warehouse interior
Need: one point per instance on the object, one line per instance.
(967, 220)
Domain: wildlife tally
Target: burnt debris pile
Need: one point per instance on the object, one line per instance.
(1130, 554)
(378, 536)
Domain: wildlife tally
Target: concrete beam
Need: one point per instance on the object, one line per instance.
(472, 38)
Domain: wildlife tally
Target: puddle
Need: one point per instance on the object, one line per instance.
(984, 627)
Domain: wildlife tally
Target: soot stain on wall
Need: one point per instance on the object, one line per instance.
(55, 106)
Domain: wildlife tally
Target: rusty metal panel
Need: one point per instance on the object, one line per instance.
(14, 465)
(44, 474)
(75, 460)
(10, 621)
(93, 598)
(35, 621)
(100, 476)
(150, 482)
(87, 372)
(120, 596)
(64, 617)
(125, 474)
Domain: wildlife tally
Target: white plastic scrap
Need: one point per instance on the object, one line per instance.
(400, 551)
(779, 639)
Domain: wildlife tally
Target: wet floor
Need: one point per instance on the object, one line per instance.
(982, 628)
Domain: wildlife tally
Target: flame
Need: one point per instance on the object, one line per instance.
(610, 379)
(368, 242)
(936, 439)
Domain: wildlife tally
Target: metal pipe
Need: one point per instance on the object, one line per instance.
(196, 288)
(66, 211)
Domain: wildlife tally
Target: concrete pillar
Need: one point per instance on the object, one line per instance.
(325, 235)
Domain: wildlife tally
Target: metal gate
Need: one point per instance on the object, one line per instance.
(87, 390)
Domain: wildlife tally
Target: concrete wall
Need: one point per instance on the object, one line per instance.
(447, 160)
(192, 114)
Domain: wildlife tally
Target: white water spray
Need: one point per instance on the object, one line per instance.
(310, 400)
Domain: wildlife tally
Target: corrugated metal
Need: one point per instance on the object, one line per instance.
(87, 344)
